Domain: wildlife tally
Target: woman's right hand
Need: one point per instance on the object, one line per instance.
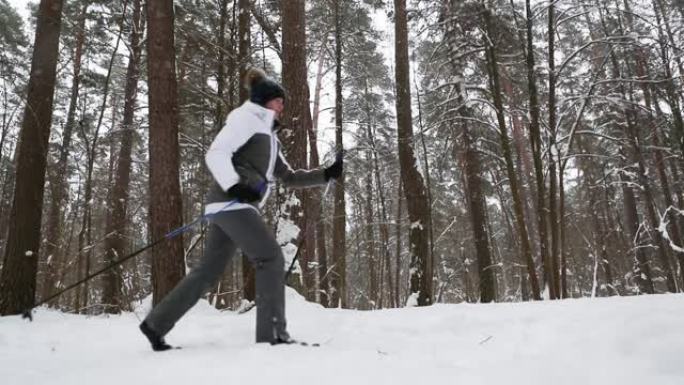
(244, 193)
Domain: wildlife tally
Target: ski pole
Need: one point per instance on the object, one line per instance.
(170, 235)
(27, 312)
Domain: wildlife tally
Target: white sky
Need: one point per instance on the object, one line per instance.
(20, 6)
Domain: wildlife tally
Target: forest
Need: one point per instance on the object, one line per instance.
(494, 150)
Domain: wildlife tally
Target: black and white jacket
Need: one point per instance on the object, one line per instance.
(247, 151)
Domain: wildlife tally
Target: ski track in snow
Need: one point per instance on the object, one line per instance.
(628, 340)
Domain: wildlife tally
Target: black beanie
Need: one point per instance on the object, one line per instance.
(262, 89)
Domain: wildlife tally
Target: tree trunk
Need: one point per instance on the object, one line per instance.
(642, 269)
(6, 199)
(477, 211)
(397, 235)
(168, 265)
(561, 231)
(428, 184)
(85, 235)
(219, 112)
(553, 178)
(317, 197)
(414, 186)
(521, 227)
(53, 242)
(632, 137)
(382, 214)
(677, 222)
(18, 280)
(297, 120)
(369, 233)
(649, 204)
(535, 141)
(670, 87)
(338, 279)
(659, 162)
(244, 52)
(115, 242)
(593, 211)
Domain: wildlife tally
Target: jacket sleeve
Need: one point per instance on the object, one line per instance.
(297, 178)
(219, 157)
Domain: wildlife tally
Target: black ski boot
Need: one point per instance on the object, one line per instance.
(157, 341)
(290, 341)
(283, 341)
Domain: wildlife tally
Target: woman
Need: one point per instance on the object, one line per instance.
(243, 159)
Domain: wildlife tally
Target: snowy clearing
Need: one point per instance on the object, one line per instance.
(633, 340)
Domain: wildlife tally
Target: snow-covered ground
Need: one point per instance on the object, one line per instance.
(636, 340)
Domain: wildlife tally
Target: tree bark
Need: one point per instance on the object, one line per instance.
(168, 264)
(535, 141)
(338, 279)
(414, 186)
(642, 269)
(477, 212)
(382, 216)
(296, 122)
(244, 55)
(397, 235)
(18, 279)
(369, 233)
(553, 149)
(521, 227)
(317, 197)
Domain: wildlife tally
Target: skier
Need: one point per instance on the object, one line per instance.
(243, 159)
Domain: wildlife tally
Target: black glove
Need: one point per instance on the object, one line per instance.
(244, 193)
(334, 170)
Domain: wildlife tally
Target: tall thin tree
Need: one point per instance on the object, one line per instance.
(535, 141)
(338, 279)
(118, 204)
(59, 188)
(412, 180)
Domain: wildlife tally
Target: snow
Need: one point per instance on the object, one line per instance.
(491, 201)
(412, 300)
(662, 228)
(621, 340)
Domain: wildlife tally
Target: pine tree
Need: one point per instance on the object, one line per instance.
(412, 180)
(168, 266)
(18, 280)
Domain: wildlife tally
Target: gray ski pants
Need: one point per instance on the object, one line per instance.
(229, 230)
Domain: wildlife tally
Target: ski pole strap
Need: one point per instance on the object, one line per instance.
(174, 233)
